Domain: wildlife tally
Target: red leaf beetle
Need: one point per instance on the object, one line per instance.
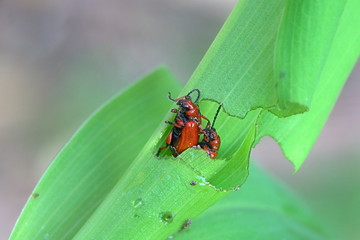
(211, 141)
(187, 125)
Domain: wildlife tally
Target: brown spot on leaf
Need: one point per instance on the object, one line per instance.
(35, 195)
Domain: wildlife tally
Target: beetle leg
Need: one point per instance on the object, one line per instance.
(174, 152)
(202, 116)
(168, 141)
(174, 124)
(198, 123)
(174, 110)
(169, 138)
(160, 149)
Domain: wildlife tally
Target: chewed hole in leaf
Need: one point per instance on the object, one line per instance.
(229, 170)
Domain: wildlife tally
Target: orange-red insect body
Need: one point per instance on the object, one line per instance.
(186, 125)
(211, 141)
(189, 137)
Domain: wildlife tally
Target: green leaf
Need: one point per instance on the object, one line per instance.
(334, 61)
(94, 160)
(285, 57)
(261, 209)
(302, 47)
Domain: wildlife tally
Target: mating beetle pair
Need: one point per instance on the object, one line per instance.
(187, 128)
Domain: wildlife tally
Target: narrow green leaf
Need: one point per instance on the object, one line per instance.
(297, 134)
(285, 57)
(303, 44)
(94, 160)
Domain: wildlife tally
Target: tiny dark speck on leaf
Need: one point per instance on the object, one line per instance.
(282, 75)
(186, 224)
(192, 183)
(35, 195)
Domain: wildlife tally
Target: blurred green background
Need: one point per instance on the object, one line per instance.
(60, 60)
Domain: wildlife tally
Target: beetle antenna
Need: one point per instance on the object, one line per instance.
(174, 100)
(195, 90)
(216, 114)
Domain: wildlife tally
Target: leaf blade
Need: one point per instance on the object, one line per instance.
(297, 134)
(261, 209)
(70, 189)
